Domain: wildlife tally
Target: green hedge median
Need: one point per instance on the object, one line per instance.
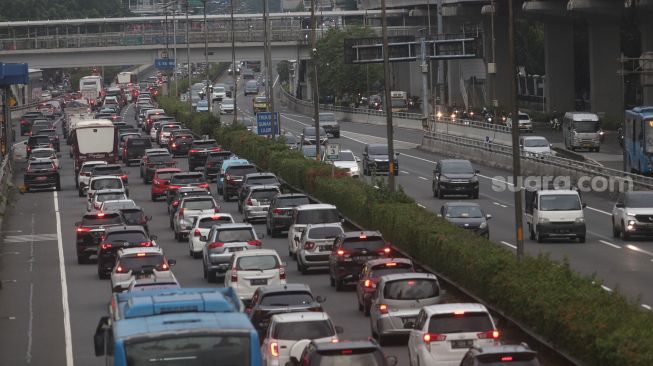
(571, 311)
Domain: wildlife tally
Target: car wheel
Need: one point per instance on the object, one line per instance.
(340, 285)
(624, 234)
(58, 186)
(204, 273)
(475, 195)
(176, 235)
(273, 233)
(76, 183)
(539, 237)
(197, 255)
(366, 309)
(615, 232)
(80, 192)
(267, 229)
(302, 268)
(180, 237)
(332, 281)
(531, 232)
(581, 239)
(360, 306)
(211, 276)
(102, 275)
(439, 194)
(153, 198)
(190, 252)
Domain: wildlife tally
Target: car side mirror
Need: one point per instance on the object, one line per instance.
(584, 205)
(320, 299)
(620, 205)
(521, 146)
(488, 216)
(153, 237)
(339, 329)
(260, 235)
(392, 360)
(99, 337)
(293, 362)
(172, 262)
(397, 154)
(551, 146)
(364, 154)
(24, 142)
(409, 325)
(203, 238)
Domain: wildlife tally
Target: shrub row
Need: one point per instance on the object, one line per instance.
(571, 311)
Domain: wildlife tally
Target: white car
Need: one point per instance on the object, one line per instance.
(138, 263)
(46, 152)
(525, 122)
(218, 93)
(85, 174)
(251, 269)
(535, 146)
(346, 160)
(315, 246)
(165, 132)
(227, 105)
(201, 227)
(303, 215)
(105, 195)
(189, 208)
(632, 214)
(443, 333)
(103, 182)
(285, 330)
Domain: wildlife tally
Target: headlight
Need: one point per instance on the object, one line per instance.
(631, 222)
(483, 225)
(354, 168)
(543, 220)
(580, 220)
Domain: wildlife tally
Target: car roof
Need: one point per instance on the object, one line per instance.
(260, 174)
(189, 174)
(407, 276)
(41, 160)
(461, 204)
(43, 149)
(452, 308)
(291, 195)
(315, 206)
(256, 252)
(234, 226)
(264, 187)
(454, 161)
(380, 261)
(357, 234)
(108, 191)
(501, 349)
(330, 346)
(317, 226)
(295, 317)
(98, 177)
(289, 287)
(134, 251)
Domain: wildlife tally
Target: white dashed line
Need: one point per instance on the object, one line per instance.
(423, 178)
(499, 204)
(606, 288)
(637, 249)
(610, 244)
(422, 206)
(647, 307)
(508, 244)
(404, 172)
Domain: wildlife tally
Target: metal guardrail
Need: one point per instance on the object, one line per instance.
(24, 106)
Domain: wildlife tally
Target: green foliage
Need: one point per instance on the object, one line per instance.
(529, 39)
(13, 10)
(283, 69)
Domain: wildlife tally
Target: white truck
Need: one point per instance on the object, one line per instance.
(554, 213)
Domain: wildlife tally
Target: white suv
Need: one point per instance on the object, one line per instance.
(251, 269)
(632, 214)
(442, 334)
(315, 246)
(138, 263)
(525, 122)
(85, 174)
(309, 214)
(101, 182)
(201, 227)
(189, 208)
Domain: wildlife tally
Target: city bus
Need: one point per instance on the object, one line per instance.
(95, 139)
(638, 140)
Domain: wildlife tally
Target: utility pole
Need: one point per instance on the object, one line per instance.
(516, 163)
(425, 79)
(440, 62)
(269, 88)
(493, 73)
(388, 100)
(209, 95)
(234, 93)
(174, 43)
(316, 95)
(190, 99)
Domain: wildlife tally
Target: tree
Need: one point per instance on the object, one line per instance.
(283, 69)
(337, 78)
(13, 10)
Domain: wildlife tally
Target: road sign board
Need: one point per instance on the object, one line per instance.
(333, 151)
(164, 63)
(264, 123)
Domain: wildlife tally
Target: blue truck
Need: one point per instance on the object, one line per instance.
(192, 326)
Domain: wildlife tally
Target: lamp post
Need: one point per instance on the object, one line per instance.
(234, 94)
(388, 100)
(316, 95)
(190, 99)
(209, 95)
(269, 88)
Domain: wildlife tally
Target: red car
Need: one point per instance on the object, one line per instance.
(161, 181)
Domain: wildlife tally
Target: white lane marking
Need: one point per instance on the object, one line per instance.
(647, 307)
(30, 323)
(423, 178)
(64, 287)
(499, 204)
(31, 247)
(420, 205)
(637, 249)
(405, 172)
(599, 211)
(610, 244)
(606, 288)
(508, 244)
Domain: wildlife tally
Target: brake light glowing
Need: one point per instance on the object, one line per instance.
(83, 229)
(106, 246)
(216, 244)
(140, 254)
(216, 149)
(234, 275)
(391, 264)
(181, 212)
(386, 250)
(123, 177)
(368, 283)
(277, 211)
(459, 313)
(119, 269)
(434, 337)
(197, 233)
(174, 187)
(340, 252)
(100, 214)
(383, 308)
(363, 236)
(203, 185)
(274, 349)
(309, 245)
(249, 202)
(174, 145)
(146, 244)
(165, 267)
(490, 334)
(194, 151)
(506, 359)
(282, 272)
(347, 352)
(175, 203)
(257, 243)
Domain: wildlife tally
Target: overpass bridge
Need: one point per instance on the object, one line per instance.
(139, 40)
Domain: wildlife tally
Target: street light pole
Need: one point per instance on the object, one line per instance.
(234, 94)
(209, 95)
(316, 95)
(516, 163)
(174, 43)
(440, 62)
(388, 100)
(269, 86)
(190, 99)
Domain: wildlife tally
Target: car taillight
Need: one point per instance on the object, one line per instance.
(106, 246)
(249, 202)
(282, 272)
(383, 308)
(181, 212)
(192, 151)
(165, 267)
(277, 211)
(146, 244)
(119, 269)
(370, 284)
(309, 245)
(83, 229)
(274, 349)
(197, 233)
(24, 122)
(216, 244)
(216, 149)
(203, 185)
(174, 187)
(433, 337)
(386, 250)
(340, 252)
(174, 145)
(123, 177)
(257, 243)
(490, 334)
(234, 275)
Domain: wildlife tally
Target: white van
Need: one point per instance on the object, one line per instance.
(555, 213)
(582, 130)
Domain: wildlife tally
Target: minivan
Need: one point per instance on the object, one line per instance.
(251, 87)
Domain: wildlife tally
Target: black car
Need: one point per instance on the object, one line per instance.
(134, 148)
(280, 212)
(180, 142)
(376, 160)
(329, 122)
(26, 121)
(501, 355)
(136, 216)
(276, 299)
(233, 179)
(198, 152)
(467, 215)
(54, 138)
(455, 177)
(116, 238)
(36, 141)
(41, 173)
(350, 252)
(154, 162)
(214, 163)
(342, 353)
(309, 136)
(90, 230)
(40, 125)
(182, 193)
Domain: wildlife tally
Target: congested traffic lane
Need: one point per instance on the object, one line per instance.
(623, 263)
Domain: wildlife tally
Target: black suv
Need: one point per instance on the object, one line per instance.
(116, 238)
(350, 252)
(198, 152)
(54, 138)
(276, 299)
(134, 149)
(41, 173)
(214, 163)
(376, 160)
(187, 179)
(26, 121)
(136, 216)
(153, 162)
(280, 212)
(90, 231)
(455, 177)
(342, 353)
(501, 355)
(180, 142)
(182, 193)
(36, 141)
(233, 179)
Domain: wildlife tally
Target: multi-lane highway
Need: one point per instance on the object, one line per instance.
(50, 305)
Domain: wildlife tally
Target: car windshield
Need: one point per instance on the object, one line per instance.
(639, 200)
(264, 195)
(348, 359)
(190, 350)
(524, 117)
(135, 263)
(457, 167)
(261, 99)
(459, 212)
(295, 331)
(262, 180)
(346, 156)
(133, 216)
(241, 170)
(310, 131)
(204, 144)
(586, 126)
(329, 232)
(38, 140)
(292, 201)
(309, 151)
(165, 175)
(323, 216)
(536, 143)
(186, 179)
(107, 219)
(234, 235)
(372, 243)
(460, 322)
(389, 268)
(107, 183)
(257, 263)
(377, 150)
(227, 101)
(208, 222)
(109, 196)
(287, 299)
(107, 170)
(411, 289)
(198, 204)
(559, 202)
(89, 168)
(133, 237)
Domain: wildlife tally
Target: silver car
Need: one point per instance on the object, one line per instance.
(397, 301)
(315, 245)
(221, 242)
(256, 202)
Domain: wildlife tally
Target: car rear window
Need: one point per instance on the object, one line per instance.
(89, 168)
(107, 219)
(325, 232)
(42, 154)
(465, 322)
(133, 216)
(234, 235)
(369, 243)
(138, 142)
(240, 170)
(40, 166)
(34, 140)
(391, 267)
(257, 263)
(205, 144)
(198, 204)
(183, 137)
(264, 195)
(367, 357)
(114, 206)
(296, 331)
(109, 196)
(262, 180)
(131, 237)
(287, 299)
(160, 158)
(134, 263)
(411, 289)
(106, 183)
(165, 175)
(208, 222)
(186, 179)
(292, 201)
(322, 216)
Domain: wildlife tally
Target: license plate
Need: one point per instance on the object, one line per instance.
(258, 282)
(41, 178)
(141, 276)
(364, 258)
(325, 248)
(462, 344)
(409, 320)
(265, 208)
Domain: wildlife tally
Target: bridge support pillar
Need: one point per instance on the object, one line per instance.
(646, 29)
(559, 66)
(498, 84)
(606, 89)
